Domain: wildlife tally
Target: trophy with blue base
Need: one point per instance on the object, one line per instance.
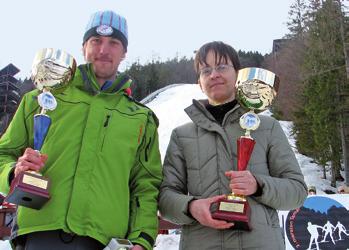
(52, 69)
(256, 88)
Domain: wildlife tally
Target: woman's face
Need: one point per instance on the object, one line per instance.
(217, 81)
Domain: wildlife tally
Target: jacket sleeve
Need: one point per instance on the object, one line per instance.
(145, 182)
(12, 144)
(285, 188)
(174, 198)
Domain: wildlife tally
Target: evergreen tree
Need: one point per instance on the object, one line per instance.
(250, 59)
(323, 72)
(286, 61)
(297, 19)
(152, 81)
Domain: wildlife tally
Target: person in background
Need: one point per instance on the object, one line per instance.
(311, 190)
(200, 165)
(343, 189)
(101, 154)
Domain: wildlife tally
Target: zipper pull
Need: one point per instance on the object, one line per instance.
(106, 121)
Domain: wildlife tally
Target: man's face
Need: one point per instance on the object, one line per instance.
(219, 85)
(105, 54)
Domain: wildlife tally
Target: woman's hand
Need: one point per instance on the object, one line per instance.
(242, 182)
(200, 210)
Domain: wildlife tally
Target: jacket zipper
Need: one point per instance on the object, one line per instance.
(104, 133)
(146, 150)
(147, 145)
(106, 121)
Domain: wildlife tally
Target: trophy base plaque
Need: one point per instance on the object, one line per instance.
(234, 210)
(29, 190)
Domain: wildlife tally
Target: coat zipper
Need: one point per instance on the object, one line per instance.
(146, 150)
(104, 132)
(106, 121)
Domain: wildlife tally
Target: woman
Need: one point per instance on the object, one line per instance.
(200, 165)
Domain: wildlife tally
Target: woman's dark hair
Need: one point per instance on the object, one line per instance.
(222, 52)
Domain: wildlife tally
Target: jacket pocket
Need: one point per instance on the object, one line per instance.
(272, 217)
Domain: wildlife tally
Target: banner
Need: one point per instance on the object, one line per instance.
(321, 223)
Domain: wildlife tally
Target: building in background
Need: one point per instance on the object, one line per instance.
(9, 95)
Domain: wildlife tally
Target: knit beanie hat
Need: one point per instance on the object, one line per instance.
(107, 23)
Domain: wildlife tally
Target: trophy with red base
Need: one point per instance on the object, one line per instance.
(52, 69)
(256, 89)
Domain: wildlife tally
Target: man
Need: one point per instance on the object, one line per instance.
(101, 154)
(201, 162)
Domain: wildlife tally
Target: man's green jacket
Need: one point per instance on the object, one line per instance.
(103, 162)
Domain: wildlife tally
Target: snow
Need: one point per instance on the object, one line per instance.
(169, 107)
(167, 242)
(168, 104)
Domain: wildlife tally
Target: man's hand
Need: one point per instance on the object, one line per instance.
(200, 210)
(31, 160)
(137, 247)
(242, 182)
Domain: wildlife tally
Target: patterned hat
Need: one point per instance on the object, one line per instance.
(107, 23)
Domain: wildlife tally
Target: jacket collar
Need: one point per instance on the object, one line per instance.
(198, 113)
(91, 85)
(203, 119)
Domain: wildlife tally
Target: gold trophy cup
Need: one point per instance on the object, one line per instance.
(52, 69)
(256, 89)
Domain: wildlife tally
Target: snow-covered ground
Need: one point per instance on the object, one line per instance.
(168, 104)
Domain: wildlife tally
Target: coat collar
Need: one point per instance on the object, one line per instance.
(198, 113)
(203, 119)
(90, 84)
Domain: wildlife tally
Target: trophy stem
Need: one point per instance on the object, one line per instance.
(41, 126)
(245, 147)
(248, 133)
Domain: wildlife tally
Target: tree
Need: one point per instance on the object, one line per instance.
(297, 23)
(250, 59)
(286, 60)
(344, 90)
(152, 81)
(322, 74)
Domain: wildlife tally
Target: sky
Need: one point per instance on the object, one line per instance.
(168, 104)
(158, 29)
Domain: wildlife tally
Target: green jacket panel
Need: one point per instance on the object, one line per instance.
(198, 155)
(103, 157)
